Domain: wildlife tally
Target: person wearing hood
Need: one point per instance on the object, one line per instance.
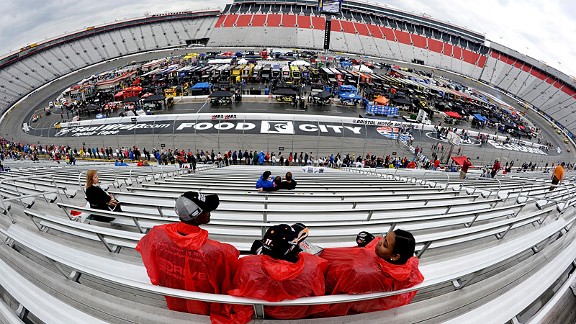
(180, 255)
(280, 272)
(265, 181)
(261, 158)
(376, 265)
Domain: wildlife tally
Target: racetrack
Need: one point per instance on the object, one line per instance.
(11, 126)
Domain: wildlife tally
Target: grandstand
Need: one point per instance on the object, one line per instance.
(476, 239)
(491, 250)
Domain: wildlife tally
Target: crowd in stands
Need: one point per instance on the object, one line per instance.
(180, 255)
(187, 158)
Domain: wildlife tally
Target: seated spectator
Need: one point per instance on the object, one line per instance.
(281, 272)
(277, 185)
(98, 198)
(265, 181)
(289, 183)
(180, 255)
(120, 163)
(384, 264)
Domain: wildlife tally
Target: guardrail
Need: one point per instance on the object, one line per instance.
(22, 196)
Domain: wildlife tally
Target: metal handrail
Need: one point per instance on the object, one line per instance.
(21, 196)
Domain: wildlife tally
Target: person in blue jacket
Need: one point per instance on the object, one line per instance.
(265, 181)
(120, 163)
(261, 157)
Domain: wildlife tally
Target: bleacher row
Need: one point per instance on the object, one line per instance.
(482, 243)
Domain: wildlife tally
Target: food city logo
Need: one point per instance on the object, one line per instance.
(113, 129)
(271, 127)
(266, 127)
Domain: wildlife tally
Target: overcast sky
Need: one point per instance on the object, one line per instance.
(544, 30)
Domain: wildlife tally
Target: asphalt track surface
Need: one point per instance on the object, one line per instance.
(317, 143)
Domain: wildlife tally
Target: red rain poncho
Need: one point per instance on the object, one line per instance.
(360, 271)
(181, 256)
(262, 277)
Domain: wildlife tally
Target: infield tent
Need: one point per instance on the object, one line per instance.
(322, 95)
(285, 92)
(480, 118)
(453, 114)
(202, 85)
(382, 100)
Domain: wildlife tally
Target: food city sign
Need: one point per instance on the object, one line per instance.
(272, 127)
(216, 125)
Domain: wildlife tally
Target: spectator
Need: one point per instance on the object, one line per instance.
(277, 185)
(558, 175)
(265, 181)
(384, 264)
(289, 183)
(495, 168)
(465, 166)
(180, 255)
(120, 163)
(281, 272)
(98, 198)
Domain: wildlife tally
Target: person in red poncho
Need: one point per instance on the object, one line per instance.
(281, 272)
(383, 264)
(181, 256)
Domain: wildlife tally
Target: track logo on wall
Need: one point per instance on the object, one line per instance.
(277, 127)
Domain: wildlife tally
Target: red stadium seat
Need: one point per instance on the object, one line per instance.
(318, 23)
(375, 31)
(470, 57)
(347, 27)
(402, 36)
(482, 61)
(335, 26)
(447, 49)
(243, 20)
(289, 20)
(419, 41)
(230, 21)
(434, 45)
(388, 33)
(527, 68)
(362, 29)
(569, 91)
(538, 74)
(274, 20)
(304, 21)
(457, 51)
(220, 21)
(259, 20)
